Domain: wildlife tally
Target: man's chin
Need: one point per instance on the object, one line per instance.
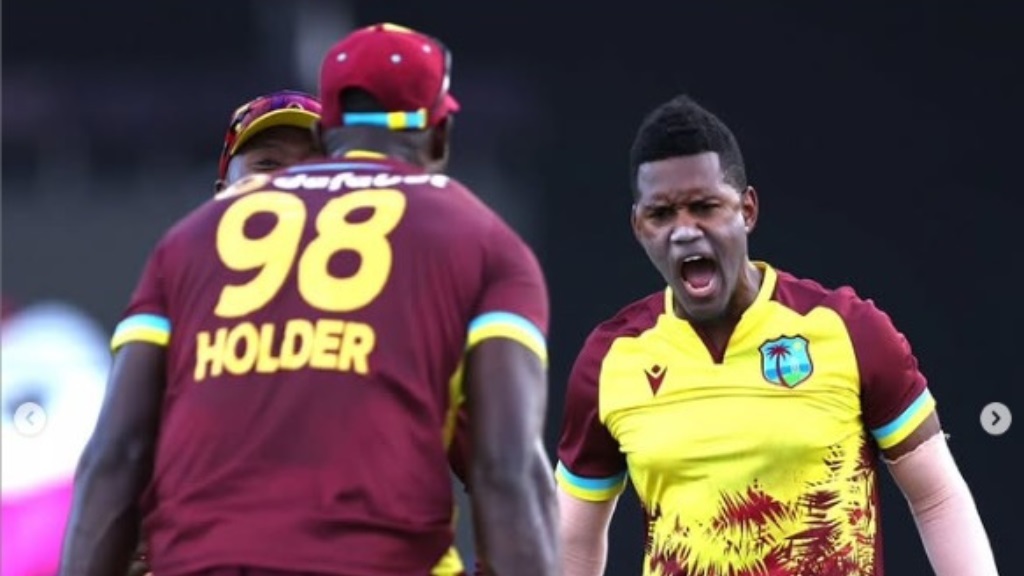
(700, 310)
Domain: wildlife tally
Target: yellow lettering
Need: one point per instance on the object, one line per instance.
(297, 344)
(326, 344)
(266, 363)
(210, 354)
(357, 342)
(236, 362)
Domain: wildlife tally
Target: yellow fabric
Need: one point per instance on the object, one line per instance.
(364, 154)
(730, 467)
(592, 491)
(296, 117)
(140, 334)
(512, 332)
(450, 564)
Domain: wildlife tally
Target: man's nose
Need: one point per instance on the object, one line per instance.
(685, 229)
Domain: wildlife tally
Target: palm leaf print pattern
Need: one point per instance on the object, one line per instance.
(818, 533)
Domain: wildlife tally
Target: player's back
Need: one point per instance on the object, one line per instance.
(319, 320)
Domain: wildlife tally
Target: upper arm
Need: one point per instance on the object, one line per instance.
(583, 525)
(579, 516)
(897, 406)
(506, 374)
(145, 319)
(590, 464)
(129, 420)
(135, 388)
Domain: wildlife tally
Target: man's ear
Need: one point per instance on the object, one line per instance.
(751, 209)
(439, 139)
(634, 222)
(318, 137)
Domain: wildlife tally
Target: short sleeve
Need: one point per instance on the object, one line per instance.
(513, 301)
(895, 398)
(590, 464)
(145, 319)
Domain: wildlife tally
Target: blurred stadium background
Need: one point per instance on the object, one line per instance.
(883, 139)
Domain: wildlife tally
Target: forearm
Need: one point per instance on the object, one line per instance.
(515, 521)
(944, 511)
(103, 529)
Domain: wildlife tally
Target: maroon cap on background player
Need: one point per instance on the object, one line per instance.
(406, 71)
(281, 108)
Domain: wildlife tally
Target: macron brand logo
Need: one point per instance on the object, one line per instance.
(353, 180)
(655, 375)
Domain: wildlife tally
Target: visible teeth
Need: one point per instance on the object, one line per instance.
(692, 258)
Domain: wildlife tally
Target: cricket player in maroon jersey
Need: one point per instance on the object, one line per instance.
(270, 132)
(288, 371)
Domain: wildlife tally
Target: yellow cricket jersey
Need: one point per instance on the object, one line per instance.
(761, 460)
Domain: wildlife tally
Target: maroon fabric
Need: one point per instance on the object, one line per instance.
(318, 466)
(406, 71)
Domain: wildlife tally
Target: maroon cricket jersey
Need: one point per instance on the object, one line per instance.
(316, 322)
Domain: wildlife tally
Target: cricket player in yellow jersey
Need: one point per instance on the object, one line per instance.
(748, 407)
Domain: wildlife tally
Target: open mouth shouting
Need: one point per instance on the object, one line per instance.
(699, 275)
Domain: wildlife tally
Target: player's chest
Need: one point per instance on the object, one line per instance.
(662, 393)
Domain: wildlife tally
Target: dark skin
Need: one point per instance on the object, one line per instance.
(270, 150)
(115, 467)
(512, 487)
(686, 206)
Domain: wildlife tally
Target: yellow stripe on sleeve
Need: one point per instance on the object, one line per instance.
(590, 489)
(511, 326)
(896, 431)
(149, 328)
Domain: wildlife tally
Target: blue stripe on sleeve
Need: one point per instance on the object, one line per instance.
(591, 484)
(902, 419)
(489, 318)
(151, 321)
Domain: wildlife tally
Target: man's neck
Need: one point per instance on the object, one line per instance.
(367, 150)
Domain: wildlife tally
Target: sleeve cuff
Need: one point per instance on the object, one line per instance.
(507, 325)
(590, 489)
(898, 429)
(148, 328)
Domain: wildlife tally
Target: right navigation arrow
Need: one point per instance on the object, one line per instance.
(996, 418)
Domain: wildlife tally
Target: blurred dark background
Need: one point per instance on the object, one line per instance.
(882, 138)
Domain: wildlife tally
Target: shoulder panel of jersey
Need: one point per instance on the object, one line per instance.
(590, 464)
(894, 394)
(146, 319)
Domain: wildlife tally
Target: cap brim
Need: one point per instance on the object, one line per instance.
(450, 104)
(287, 117)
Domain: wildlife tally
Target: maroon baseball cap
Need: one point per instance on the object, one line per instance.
(281, 108)
(406, 71)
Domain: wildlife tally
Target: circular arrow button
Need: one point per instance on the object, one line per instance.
(29, 419)
(996, 418)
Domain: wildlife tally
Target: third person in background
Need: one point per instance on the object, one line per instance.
(288, 371)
